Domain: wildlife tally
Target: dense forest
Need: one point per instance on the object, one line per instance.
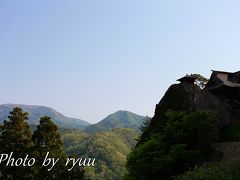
(16, 139)
(110, 148)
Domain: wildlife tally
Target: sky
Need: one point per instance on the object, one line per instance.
(90, 58)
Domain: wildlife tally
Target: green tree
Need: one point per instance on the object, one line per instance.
(215, 171)
(16, 138)
(48, 139)
(145, 124)
(184, 141)
(201, 81)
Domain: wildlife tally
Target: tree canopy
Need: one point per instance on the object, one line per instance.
(184, 141)
(201, 81)
(16, 137)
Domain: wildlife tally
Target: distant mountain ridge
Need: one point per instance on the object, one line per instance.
(119, 119)
(35, 112)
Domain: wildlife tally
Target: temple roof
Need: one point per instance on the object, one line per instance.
(225, 72)
(222, 78)
(187, 78)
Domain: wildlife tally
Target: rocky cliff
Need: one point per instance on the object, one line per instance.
(188, 97)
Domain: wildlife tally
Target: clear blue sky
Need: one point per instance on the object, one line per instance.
(90, 58)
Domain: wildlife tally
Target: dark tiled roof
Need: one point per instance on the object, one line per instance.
(219, 81)
(187, 77)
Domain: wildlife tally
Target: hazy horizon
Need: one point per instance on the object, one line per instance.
(87, 59)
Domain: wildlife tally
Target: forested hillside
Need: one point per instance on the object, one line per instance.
(109, 141)
(18, 141)
(110, 148)
(119, 119)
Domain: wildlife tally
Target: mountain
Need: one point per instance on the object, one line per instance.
(110, 149)
(119, 119)
(35, 112)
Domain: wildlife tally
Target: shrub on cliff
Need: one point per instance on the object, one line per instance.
(216, 170)
(184, 141)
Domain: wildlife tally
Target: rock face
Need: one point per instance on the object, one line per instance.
(188, 97)
(205, 100)
(178, 97)
(230, 151)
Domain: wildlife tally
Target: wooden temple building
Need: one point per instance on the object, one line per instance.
(226, 86)
(221, 79)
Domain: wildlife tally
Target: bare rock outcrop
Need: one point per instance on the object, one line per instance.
(189, 97)
(205, 100)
